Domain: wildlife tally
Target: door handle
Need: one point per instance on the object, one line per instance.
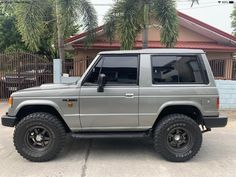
(129, 95)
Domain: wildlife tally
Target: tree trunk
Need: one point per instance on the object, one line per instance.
(146, 23)
(60, 34)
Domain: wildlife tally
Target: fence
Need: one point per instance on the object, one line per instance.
(76, 67)
(21, 70)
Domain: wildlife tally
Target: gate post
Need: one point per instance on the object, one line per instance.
(57, 71)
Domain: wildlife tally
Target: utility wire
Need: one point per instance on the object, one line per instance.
(202, 7)
(178, 2)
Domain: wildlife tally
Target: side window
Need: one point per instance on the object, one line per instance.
(176, 70)
(93, 75)
(164, 69)
(120, 70)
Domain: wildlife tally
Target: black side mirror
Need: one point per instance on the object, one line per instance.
(101, 82)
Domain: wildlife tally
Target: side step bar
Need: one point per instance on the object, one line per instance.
(87, 135)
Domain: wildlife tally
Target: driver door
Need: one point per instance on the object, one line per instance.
(117, 105)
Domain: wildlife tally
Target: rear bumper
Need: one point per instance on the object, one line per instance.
(211, 122)
(8, 121)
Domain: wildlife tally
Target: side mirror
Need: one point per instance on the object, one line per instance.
(101, 82)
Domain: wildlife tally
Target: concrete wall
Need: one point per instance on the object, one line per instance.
(227, 91)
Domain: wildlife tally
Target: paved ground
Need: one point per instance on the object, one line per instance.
(123, 158)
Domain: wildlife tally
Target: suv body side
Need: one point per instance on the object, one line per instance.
(113, 110)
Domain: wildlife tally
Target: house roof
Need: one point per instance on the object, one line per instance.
(223, 40)
(82, 35)
(207, 26)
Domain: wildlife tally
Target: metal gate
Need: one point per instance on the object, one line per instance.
(21, 70)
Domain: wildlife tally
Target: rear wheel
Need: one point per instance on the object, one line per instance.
(39, 137)
(177, 138)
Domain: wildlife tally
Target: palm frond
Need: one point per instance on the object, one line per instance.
(110, 25)
(30, 21)
(126, 19)
(68, 11)
(111, 20)
(233, 22)
(166, 14)
(84, 9)
(193, 1)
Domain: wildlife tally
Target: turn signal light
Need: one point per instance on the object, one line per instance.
(10, 101)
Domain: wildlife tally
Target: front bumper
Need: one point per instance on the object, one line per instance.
(211, 122)
(8, 121)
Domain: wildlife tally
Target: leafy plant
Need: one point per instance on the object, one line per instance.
(128, 17)
(233, 23)
(50, 21)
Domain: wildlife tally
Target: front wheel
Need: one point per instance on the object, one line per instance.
(177, 138)
(39, 137)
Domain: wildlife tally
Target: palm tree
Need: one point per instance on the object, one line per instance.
(233, 22)
(128, 17)
(34, 16)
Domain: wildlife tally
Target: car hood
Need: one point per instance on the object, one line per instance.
(48, 87)
(45, 90)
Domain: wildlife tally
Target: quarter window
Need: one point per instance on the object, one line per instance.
(176, 70)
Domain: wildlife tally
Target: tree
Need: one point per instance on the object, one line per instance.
(35, 18)
(128, 17)
(233, 23)
(10, 38)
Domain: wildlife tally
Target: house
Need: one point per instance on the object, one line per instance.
(218, 45)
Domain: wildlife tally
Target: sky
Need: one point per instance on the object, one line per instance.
(209, 11)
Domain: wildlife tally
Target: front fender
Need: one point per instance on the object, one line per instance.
(37, 102)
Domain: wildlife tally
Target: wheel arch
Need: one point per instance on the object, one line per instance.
(190, 109)
(39, 106)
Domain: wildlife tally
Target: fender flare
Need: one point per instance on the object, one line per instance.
(180, 103)
(38, 102)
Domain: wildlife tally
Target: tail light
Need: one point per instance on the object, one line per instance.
(218, 103)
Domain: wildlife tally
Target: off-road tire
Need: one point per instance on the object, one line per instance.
(54, 128)
(164, 139)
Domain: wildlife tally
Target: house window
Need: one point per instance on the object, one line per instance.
(218, 67)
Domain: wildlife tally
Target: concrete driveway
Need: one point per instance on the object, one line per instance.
(123, 157)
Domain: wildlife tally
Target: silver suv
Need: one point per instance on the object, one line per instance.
(168, 95)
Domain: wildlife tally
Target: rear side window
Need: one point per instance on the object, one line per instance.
(176, 70)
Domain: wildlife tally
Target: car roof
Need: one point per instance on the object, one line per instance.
(156, 51)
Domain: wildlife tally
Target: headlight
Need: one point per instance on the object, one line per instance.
(10, 101)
